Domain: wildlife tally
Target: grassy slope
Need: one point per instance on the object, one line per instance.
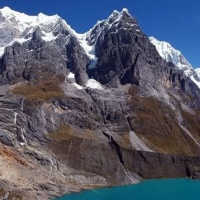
(43, 91)
(157, 124)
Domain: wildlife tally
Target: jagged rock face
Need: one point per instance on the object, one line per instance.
(14, 61)
(36, 54)
(125, 55)
(170, 54)
(77, 60)
(8, 33)
(63, 131)
(19, 64)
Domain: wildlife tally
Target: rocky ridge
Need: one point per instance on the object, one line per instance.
(88, 110)
(170, 54)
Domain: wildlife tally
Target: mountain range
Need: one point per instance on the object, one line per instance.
(104, 108)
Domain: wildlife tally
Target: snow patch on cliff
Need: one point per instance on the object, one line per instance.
(91, 83)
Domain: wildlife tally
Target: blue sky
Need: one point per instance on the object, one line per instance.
(175, 21)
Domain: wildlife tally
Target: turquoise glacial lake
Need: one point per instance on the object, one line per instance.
(162, 189)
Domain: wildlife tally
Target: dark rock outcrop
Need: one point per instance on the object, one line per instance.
(125, 55)
(77, 60)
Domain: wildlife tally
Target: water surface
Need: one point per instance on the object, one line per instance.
(162, 189)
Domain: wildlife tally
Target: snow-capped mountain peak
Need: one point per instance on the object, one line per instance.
(197, 70)
(16, 26)
(170, 54)
(116, 12)
(99, 30)
(42, 18)
(125, 10)
(117, 16)
(22, 21)
(9, 13)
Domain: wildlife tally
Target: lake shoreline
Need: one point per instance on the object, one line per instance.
(80, 192)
